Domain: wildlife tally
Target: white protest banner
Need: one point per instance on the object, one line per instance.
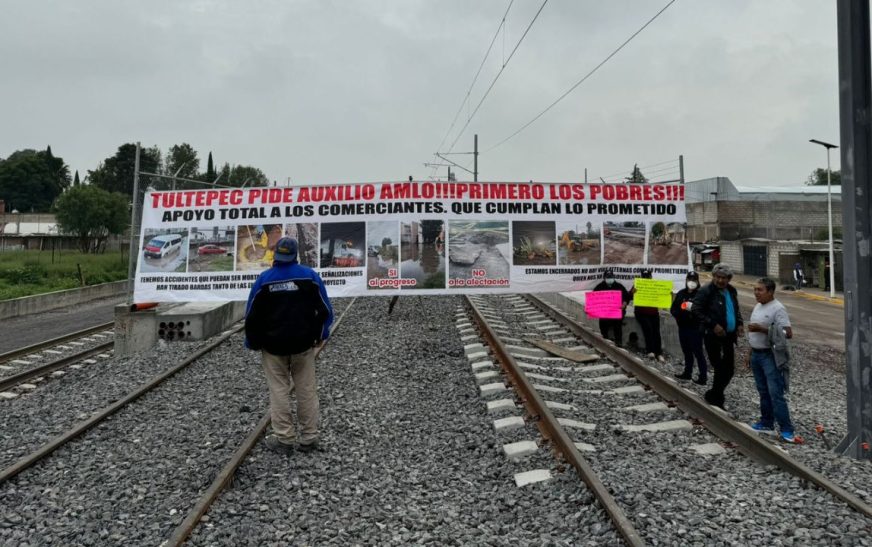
(411, 237)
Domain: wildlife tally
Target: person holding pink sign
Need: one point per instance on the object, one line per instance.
(615, 326)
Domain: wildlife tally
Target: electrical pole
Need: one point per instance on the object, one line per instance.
(855, 103)
(475, 165)
(134, 249)
(681, 168)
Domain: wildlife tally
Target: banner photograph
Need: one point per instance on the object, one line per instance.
(411, 237)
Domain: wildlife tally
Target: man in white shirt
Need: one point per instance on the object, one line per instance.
(769, 313)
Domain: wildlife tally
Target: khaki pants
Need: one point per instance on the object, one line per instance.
(286, 372)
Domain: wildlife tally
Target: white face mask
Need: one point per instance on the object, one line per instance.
(692, 285)
(610, 280)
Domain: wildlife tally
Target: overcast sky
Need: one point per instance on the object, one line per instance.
(343, 91)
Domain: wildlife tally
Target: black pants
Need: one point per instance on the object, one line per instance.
(650, 325)
(722, 355)
(691, 345)
(614, 325)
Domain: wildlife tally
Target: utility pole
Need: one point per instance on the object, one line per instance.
(134, 249)
(681, 168)
(475, 164)
(855, 102)
(585, 175)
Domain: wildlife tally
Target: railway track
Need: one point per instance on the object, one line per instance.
(41, 457)
(54, 355)
(397, 392)
(48, 344)
(596, 388)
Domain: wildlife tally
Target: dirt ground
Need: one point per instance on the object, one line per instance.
(674, 253)
(623, 250)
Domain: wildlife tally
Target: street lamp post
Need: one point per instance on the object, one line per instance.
(829, 147)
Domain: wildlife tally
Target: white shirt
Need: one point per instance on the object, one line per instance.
(765, 315)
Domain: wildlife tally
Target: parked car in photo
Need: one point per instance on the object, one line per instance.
(211, 250)
(162, 245)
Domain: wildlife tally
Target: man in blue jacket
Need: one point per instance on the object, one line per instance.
(716, 309)
(287, 316)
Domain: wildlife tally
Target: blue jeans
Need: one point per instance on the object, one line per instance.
(770, 386)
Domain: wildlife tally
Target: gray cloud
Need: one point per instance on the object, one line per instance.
(364, 91)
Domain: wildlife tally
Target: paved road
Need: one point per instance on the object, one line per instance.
(812, 320)
(17, 332)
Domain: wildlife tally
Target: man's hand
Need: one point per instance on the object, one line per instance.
(719, 330)
(757, 327)
(741, 331)
(747, 359)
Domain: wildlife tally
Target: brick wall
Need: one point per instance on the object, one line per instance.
(776, 220)
(731, 254)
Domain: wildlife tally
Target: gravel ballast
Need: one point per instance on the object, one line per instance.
(410, 455)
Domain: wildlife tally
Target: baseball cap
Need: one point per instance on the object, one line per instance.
(286, 250)
(692, 275)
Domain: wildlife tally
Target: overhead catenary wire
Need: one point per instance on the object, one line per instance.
(645, 169)
(465, 100)
(497, 77)
(582, 80)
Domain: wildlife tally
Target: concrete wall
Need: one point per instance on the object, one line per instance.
(776, 220)
(731, 254)
(668, 328)
(59, 299)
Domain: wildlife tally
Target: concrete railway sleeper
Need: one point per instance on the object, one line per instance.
(97, 331)
(95, 433)
(52, 367)
(663, 473)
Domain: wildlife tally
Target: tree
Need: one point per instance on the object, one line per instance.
(115, 174)
(636, 176)
(818, 177)
(182, 159)
(210, 174)
(91, 214)
(31, 180)
(244, 174)
(76, 179)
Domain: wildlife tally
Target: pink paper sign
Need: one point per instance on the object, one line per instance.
(603, 304)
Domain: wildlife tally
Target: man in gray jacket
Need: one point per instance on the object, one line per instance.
(768, 323)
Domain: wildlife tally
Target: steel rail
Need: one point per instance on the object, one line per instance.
(554, 432)
(184, 530)
(83, 426)
(41, 370)
(14, 354)
(714, 419)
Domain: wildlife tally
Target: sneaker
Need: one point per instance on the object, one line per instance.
(650, 356)
(310, 446)
(759, 427)
(789, 437)
(701, 380)
(683, 376)
(661, 358)
(276, 445)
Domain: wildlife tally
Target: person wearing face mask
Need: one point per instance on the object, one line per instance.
(716, 307)
(614, 325)
(689, 334)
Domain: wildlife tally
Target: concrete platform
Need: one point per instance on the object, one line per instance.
(137, 331)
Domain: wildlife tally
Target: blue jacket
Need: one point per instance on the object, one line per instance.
(288, 310)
